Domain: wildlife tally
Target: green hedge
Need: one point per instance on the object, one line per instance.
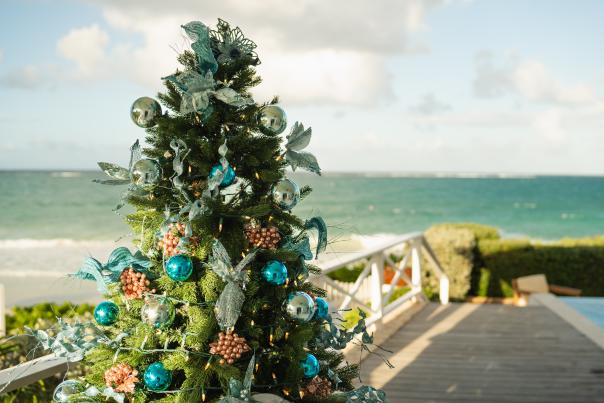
(575, 263)
(495, 262)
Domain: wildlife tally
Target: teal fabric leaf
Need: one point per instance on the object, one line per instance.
(302, 247)
(200, 35)
(319, 224)
(303, 160)
(136, 153)
(115, 171)
(196, 90)
(298, 138)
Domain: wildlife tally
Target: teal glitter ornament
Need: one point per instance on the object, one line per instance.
(66, 390)
(321, 308)
(286, 194)
(229, 175)
(157, 378)
(179, 267)
(106, 313)
(158, 311)
(310, 366)
(145, 111)
(274, 272)
(272, 120)
(300, 306)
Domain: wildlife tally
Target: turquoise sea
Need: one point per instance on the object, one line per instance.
(51, 221)
(67, 205)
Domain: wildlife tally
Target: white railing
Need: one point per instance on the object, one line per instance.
(369, 292)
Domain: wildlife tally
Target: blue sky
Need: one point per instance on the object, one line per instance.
(398, 86)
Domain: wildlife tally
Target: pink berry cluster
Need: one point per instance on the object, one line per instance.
(121, 377)
(230, 346)
(134, 284)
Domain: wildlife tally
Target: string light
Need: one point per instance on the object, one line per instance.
(252, 322)
(274, 376)
(286, 335)
(257, 176)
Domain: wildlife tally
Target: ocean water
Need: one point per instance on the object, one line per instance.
(50, 221)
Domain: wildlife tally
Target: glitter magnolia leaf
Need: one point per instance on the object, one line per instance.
(231, 97)
(319, 224)
(199, 33)
(298, 138)
(115, 171)
(228, 306)
(303, 160)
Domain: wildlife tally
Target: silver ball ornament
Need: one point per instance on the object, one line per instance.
(158, 312)
(145, 111)
(268, 398)
(300, 306)
(146, 173)
(272, 120)
(286, 194)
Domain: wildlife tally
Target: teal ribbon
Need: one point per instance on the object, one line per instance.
(105, 274)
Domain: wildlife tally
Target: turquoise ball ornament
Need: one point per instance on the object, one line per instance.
(310, 366)
(157, 378)
(286, 194)
(66, 390)
(179, 267)
(321, 308)
(229, 175)
(145, 111)
(106, 313)
(274, 272)
(300, 306)
(272, 120)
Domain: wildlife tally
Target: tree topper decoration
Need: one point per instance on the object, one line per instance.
(229, 303)
(199, 33)
(297, 140)
(231, 44)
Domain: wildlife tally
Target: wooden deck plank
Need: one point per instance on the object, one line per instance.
(488, 353)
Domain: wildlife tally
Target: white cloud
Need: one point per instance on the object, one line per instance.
(26, 77)
(86, 48)
(312, 51)
(429, 105)
(528, 79)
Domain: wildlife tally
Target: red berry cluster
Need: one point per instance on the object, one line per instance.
(318, 388)
(134, 284)
(121, 377)
(171, 238)
(230, 346)
(262, 237)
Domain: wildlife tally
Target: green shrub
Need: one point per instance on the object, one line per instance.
(481, 232)
(454, 246)
(570, 262)
(347, 274)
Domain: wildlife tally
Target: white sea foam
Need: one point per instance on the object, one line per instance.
(27, 243)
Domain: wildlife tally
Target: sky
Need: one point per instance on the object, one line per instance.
(484, 86)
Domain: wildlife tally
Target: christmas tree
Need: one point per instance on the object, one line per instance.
(214, 303)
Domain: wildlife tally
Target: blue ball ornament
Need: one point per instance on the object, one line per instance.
(179, 267)
(310, 366)
(106, 313)
(274, 272)
(321, 308)
(229, 175)
(157, 378)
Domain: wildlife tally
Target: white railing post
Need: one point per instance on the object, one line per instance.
(416, 275)
(2, 311)
(377, 281)
(444, 290)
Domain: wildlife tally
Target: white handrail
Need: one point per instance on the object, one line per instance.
(377, 302)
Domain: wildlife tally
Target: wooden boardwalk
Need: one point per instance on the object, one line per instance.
(488, 353)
